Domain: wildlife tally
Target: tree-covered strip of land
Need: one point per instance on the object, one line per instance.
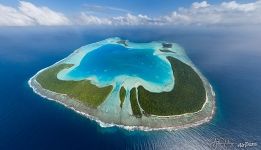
(134, 103)
(83, 90)
(165, 50)
(122, 95)
(188, 94)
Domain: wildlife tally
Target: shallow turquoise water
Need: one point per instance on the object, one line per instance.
(110, 61)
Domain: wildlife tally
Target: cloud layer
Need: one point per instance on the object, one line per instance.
(226, 13)
(29, 14)
(199, 13)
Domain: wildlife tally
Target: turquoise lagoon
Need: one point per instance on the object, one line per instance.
(110, 63)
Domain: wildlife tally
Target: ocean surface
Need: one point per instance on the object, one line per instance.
(229, 58)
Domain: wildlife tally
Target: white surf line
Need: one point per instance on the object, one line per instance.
(131, 128)
(101, 123)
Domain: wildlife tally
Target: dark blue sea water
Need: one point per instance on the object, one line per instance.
(229, 58)
(110, 61)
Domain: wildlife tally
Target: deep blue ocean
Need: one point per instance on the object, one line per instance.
(229, 58)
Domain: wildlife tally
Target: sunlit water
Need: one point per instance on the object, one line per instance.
(28, 121)
(110, 61)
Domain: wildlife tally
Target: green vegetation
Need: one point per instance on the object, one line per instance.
(165, 50)
(124, 42)
(188, 94)
(122, 95)
(134, 103)
(82, 90)
(166, 45)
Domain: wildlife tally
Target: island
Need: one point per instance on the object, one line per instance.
(145, 86)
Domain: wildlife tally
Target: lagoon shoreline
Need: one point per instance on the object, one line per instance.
(149, 123)
(125, 118)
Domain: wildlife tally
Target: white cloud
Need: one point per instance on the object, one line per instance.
(29, 14)
(128, 19)
(202, 4)
(43, 15)
(104, 10)
(86, 19)
(226, 13)
(200, 13)
(12, 17)
(233, 5)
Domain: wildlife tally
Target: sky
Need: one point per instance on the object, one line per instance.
(130, 12)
